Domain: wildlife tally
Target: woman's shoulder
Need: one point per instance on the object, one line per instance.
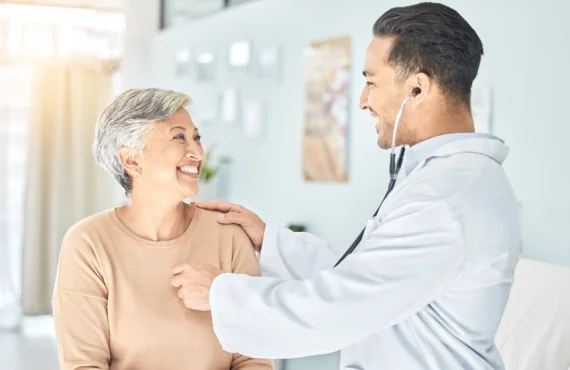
(81, 255)
(91, 223)
(90, 228)
(243, 257)
(209, 219)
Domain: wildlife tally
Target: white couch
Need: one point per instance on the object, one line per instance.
(535, 331)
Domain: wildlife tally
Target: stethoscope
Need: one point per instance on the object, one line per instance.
(395, 166)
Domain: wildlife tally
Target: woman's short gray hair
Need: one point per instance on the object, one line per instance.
(126, 121)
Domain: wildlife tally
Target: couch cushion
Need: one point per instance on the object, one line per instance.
(534, 333)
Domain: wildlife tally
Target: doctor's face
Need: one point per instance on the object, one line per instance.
(383, 93)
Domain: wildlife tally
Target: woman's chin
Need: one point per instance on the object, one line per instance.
(190, 192)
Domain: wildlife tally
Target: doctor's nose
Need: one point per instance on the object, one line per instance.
(364, 99)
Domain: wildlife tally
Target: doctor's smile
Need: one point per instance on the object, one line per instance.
(423, 285)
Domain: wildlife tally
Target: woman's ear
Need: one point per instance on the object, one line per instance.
(129, 161)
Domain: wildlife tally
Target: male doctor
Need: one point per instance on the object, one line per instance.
(428, 282)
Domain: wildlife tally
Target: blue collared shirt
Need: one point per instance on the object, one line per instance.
(417, 153)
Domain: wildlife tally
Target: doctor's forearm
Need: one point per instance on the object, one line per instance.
(266, 327)
(289, 255)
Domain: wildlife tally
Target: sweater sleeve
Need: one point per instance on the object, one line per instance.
(244, 261)
(80, 307)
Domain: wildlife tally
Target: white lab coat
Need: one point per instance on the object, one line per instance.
(425, 289)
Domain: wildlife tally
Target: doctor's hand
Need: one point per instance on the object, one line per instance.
(194, 282)
(253, 226)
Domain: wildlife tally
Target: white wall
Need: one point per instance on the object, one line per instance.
(142, 22)
(527, 54)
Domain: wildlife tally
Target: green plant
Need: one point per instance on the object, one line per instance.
(210, 168)
(297, 227)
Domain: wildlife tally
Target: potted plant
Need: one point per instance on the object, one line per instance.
(298, 228)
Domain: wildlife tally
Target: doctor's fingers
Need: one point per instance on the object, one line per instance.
(242, 219)
(220, 206)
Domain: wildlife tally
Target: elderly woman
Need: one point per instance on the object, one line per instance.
(114, 305)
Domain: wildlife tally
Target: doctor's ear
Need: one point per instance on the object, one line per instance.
(421, 84)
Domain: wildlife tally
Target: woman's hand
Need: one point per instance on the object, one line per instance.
(253, 226)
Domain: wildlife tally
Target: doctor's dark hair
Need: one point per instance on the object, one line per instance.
(433, 39)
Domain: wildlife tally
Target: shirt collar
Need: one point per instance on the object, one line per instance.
(421, 151)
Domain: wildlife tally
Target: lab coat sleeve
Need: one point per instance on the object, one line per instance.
(293, 255)
(406, 262)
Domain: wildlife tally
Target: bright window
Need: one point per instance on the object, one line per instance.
(32, 35)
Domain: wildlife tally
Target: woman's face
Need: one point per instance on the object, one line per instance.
(172, 159)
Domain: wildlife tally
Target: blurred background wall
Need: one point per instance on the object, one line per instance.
(526, 52)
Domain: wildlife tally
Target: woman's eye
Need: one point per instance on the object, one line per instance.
(179, 137)
(198, 137)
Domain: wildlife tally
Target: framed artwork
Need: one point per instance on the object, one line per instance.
(253, 119)
(205, 66)
(239, 54)
(205, 107)
(267, 63)
(184, 63)
(229, 106)
(327, 82)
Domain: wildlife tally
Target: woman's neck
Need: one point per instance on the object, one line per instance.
(155, 220)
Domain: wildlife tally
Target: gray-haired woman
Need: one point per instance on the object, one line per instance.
(113, 304)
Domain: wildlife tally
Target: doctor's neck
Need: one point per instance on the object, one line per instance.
(442, 119)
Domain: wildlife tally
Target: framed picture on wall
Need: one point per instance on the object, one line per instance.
(253, 119)
(239, 55)
(205, 66)
(239, 61)
(267, 63)
(327, 82)
(184, 63)
(229, 106)
(205, 108)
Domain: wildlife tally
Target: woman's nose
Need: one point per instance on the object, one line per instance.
(194, 151)
(195, 156)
